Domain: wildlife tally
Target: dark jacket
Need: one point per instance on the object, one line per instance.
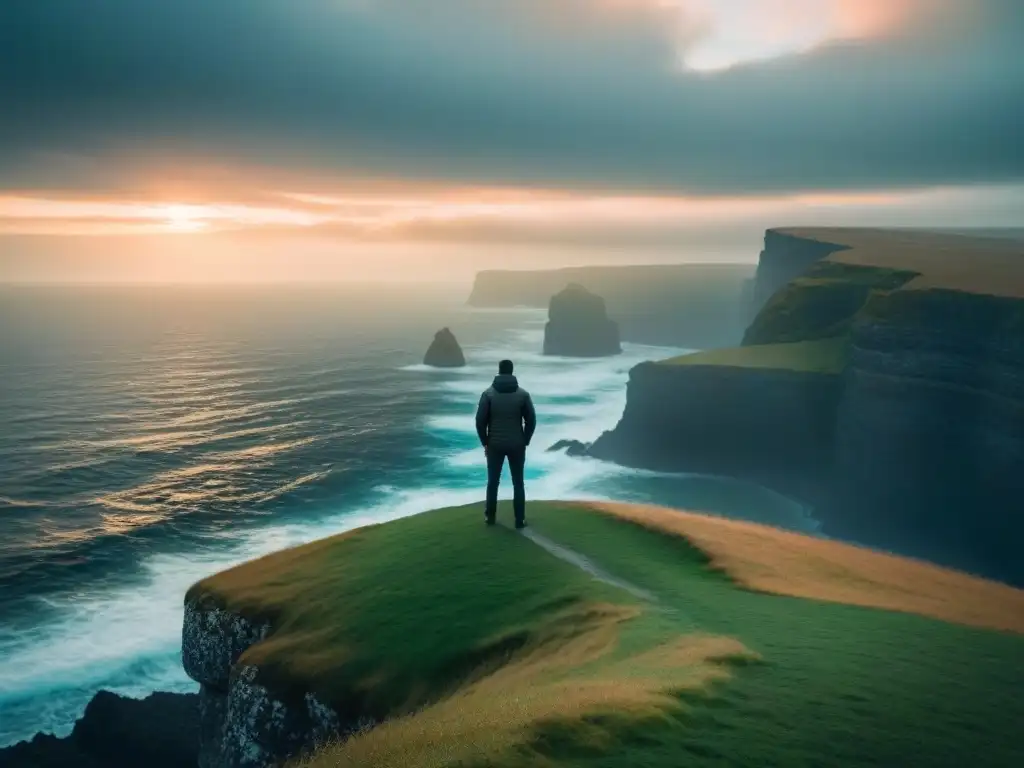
(505, 418)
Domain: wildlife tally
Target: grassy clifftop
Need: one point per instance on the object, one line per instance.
(952, 262)
(707, 642)
(826, 356)
(897, 275)
(910, 278)
(822, 303)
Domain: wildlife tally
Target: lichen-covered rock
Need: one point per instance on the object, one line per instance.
(260, 729)
(444, 351)
(578, 325)
(243, 722)
(212, 640)
(213, 708)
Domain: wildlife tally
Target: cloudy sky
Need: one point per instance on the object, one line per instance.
(375, 139)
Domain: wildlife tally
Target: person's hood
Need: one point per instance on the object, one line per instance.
(505, 382)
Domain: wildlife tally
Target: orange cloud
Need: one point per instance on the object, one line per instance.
(393, 213)
(878, 18)
(738, 31)
(33, 215)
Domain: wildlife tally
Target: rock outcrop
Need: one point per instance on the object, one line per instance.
(915, 444)
(160, 731)
(244, 722)
(444, 351)
(693, 306)
(772, 427)
(570, 447)
(578, 325)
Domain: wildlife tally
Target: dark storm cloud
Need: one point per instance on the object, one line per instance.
(505, 91)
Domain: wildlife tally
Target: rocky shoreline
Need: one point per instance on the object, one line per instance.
(159, 731)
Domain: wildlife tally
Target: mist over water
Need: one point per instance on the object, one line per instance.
(151, 437)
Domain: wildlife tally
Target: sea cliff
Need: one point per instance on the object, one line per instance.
(912, 439)
(695, 306)
(477, 665)
(930, 431)
(245, 721)
(770, 423)
(785, 256)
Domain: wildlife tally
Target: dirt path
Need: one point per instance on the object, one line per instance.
(575, 558)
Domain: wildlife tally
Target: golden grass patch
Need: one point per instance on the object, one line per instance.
(957, 262)
(549, 682)
(781, 562)
(817, 356)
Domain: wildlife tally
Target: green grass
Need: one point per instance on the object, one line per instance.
(820, 356)
(840, 685)
(498, 654)
(385, 619)
(822, 303)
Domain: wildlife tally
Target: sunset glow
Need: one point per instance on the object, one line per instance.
(384, 215)
(718, 34)
(378, 142)
(46, 215)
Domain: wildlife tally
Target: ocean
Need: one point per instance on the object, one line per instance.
(150, 436)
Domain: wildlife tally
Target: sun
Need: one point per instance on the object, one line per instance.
(183, 218)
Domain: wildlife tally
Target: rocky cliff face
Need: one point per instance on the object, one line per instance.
(245, 722)
(930, 432)
(784, 258)
(916, 447)
(772, 427)
(444, 351)
(578, 325)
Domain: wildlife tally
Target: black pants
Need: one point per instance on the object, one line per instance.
(495, 463)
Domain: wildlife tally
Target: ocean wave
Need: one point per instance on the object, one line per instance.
(468, 369)
(27, 503)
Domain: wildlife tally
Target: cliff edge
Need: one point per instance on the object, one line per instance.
(765, 414)
(640, 632)
(911, 438)
(578, 325)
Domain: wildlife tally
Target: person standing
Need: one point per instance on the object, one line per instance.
(505, 423)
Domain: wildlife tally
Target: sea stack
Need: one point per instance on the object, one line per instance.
(578, 325)
(444, 351)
